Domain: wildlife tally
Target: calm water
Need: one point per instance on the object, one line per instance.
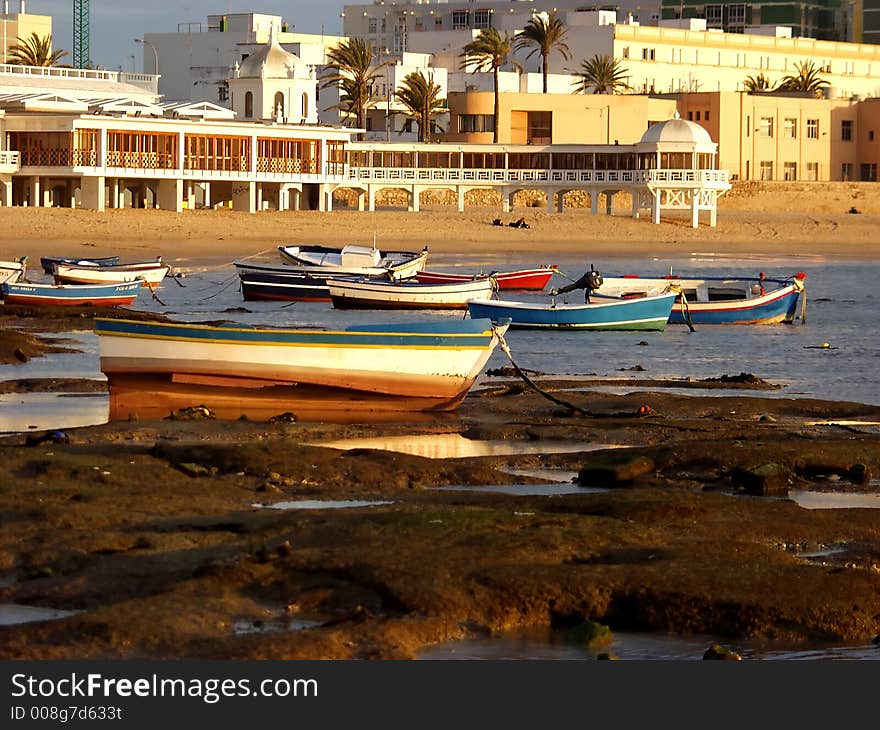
(842, 305)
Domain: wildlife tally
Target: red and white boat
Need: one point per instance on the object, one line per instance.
(524, 280)
(149, 273)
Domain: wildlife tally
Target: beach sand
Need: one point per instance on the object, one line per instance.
(795, 219)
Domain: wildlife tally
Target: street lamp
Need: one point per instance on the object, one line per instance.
(155, 53)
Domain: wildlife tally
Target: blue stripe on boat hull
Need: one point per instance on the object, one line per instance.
(779, 310)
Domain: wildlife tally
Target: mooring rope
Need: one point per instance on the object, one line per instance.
(502, 343)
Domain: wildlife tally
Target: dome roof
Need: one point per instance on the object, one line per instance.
(676, 131)
(270, 62)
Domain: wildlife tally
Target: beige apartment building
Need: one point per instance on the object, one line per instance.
(789, 137)
(554, 118)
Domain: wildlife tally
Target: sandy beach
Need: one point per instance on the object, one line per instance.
(793, 219)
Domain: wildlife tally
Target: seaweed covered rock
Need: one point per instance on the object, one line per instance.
(614, 470)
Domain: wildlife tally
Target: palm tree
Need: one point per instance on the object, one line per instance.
(489, 51)
(544, 34)
(354, 76)
(603, 74)
(34, 51)
(421, 97)
(806, 79)
(757, 83)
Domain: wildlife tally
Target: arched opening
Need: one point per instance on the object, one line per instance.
(305, 107)
(278, 106)
(249, 104)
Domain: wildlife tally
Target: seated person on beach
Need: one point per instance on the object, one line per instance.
(497, 222)
(521, 223)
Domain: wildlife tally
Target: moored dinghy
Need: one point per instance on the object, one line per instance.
(50, 262)
(521, 280)
(354, 261)
(153, 366)
(96, 295)
(718, 299)
(149, 273)
(644, 314)
(371, 294)
(12, 270)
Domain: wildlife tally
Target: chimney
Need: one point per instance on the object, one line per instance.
(22, 7)
(5, 7)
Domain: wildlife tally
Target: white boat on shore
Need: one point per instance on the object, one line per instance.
(354, 261)
(12, 271)
(351, 293)
(150, 273)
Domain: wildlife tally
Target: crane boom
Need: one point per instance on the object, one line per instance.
(81, 51)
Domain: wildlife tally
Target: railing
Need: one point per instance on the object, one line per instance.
(548, 177)
(10, 161)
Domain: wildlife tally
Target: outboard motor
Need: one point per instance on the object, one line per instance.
(589, 282)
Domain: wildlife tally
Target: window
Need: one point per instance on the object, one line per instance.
(812, 171)
(459, 19)
(766, 169)
(540, 129)
(846, 171)
(736, 14)
(765, 127)
(870, 135)
(438, 23)
(305, 106)
(789, 170)
(278, 105)
(249, 104)
(476, 123)
(482, 19)
(812, 129)
(789, 128)
(625, 52)
(648, 54)
(223, 91)
(846, 130)
(374, 25)
(696, 116)
(713, 15)
(706, 115)
(869, 172)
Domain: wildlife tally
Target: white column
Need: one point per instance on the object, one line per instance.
(6, 192)
(459, 198)
(371, 198)
(636, 194)
(113, 201)
(329, 193)
(655, 212)
(244, 196)
(71, 190)
(93, 192)
(414, 199)
(713, 211)
(170, 195)
(190, 195)
(35, 198)
(609, 202)
(549, 200)
(695, 209)
(207, 189)
(361, 197)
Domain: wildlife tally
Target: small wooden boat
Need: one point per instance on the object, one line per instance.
(12, 270)
(523, 280)
(718, 300)
(416, 366)
(354, 261)
(49, 262)
(283, 286)
(351, 293)
(642, 314)
(95, 295)
(149, 273)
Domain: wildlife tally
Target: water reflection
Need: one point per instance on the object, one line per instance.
(322, 504)
(542, 643)
(834, 500)
(21, 412)
(456, 446)
(12, 613)
(243, 627)
(524, 490)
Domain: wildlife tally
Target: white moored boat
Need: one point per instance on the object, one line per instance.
(354, 261)
(370, 294)
(11, 271)
(151, 273)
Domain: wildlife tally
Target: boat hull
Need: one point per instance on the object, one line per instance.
(11, 271)
(705, 305)
(402, 367)
(644, 314)
(257, 286)
(50, 262)
(354, 261)
(356, 294)
(525, 280)
(95, 295)
(150, 274)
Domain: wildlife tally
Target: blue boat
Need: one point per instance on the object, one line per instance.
(718, 300)
(639, 314)
(95, 295)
